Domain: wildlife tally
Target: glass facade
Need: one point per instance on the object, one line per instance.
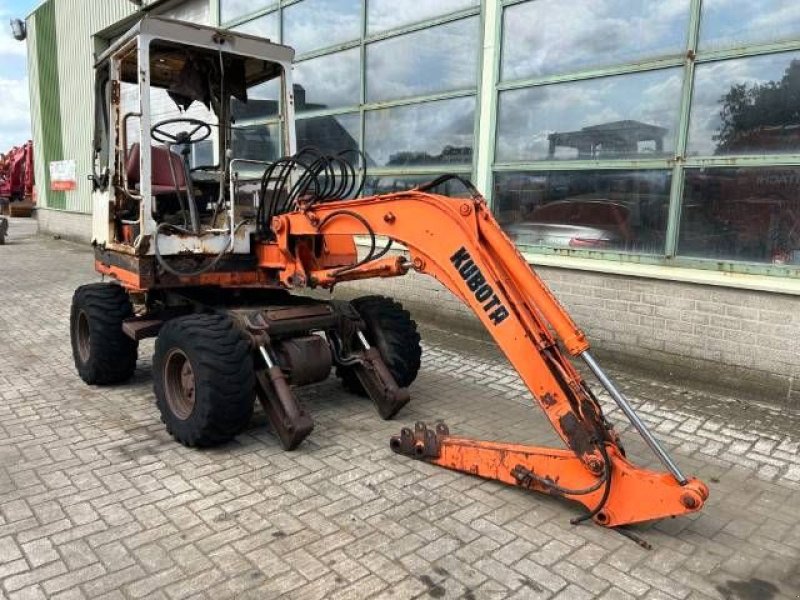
(663, 133)
(394, 79)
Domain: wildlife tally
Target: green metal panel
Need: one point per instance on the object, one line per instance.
(49, 97)
(36, 119)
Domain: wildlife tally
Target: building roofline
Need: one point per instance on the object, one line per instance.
(151, 5)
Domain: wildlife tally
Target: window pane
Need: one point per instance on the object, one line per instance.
(735, 23)
(386, 184)
(233, 9)
(745, 106)
(432, 133)
(262, 102)
(266, 27)
(424, 62)
(585, 210)
(749, 214)
(314, 24)
(331, 135)
(203, 154)
(257, 142)
(389, 14)
(624, 116)
(547, 37)
(329, 81)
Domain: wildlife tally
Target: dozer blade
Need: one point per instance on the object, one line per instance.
(620, 494)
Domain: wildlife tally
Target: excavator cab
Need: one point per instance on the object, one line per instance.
(187, 119)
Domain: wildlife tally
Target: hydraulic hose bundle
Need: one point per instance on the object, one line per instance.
(308, 176)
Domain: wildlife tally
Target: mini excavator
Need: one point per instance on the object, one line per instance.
(206, 258)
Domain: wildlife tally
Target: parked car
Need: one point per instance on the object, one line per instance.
(575, 224)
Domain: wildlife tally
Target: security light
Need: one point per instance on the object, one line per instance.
(18, 29)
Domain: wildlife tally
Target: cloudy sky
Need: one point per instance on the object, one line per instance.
(15, 126)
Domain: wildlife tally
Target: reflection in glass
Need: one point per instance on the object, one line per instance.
(329, 81)
(736, 23)
(432, 60)
(389, 14)
(203, 154)
(746, 106)
(262, 102)
(748, 214)
(198, 12)
(314, 24)
(233, 9)
(633, 115)
(330, 135)
(548, 37)
(257, 142)
(588, 210)
(265, 27)
(386, 184)
(431, 133)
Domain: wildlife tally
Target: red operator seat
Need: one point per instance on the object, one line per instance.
(161, 180)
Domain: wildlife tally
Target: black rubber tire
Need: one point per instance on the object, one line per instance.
(222, 364)
(107, 356)
(389, 328)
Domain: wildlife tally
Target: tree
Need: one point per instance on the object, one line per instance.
(747, 111)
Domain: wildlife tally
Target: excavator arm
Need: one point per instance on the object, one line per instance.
(458, 242)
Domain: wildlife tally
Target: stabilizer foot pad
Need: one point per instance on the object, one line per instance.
(421, 443)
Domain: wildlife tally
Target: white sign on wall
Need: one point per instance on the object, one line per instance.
(62, 176)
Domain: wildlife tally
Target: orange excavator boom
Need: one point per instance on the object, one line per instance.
(459, 242)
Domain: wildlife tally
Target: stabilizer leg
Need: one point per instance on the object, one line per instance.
(290, 421)
(633, 495)
(378, 382)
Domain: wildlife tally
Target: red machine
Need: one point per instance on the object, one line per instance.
(16, 173)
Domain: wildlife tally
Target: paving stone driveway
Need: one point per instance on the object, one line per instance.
(96, 501)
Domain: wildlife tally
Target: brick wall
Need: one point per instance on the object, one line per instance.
(748, 342)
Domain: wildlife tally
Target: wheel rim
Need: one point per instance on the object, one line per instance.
(84, 338)
(179, 384)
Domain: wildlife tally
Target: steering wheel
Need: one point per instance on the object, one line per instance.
(159, 134)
